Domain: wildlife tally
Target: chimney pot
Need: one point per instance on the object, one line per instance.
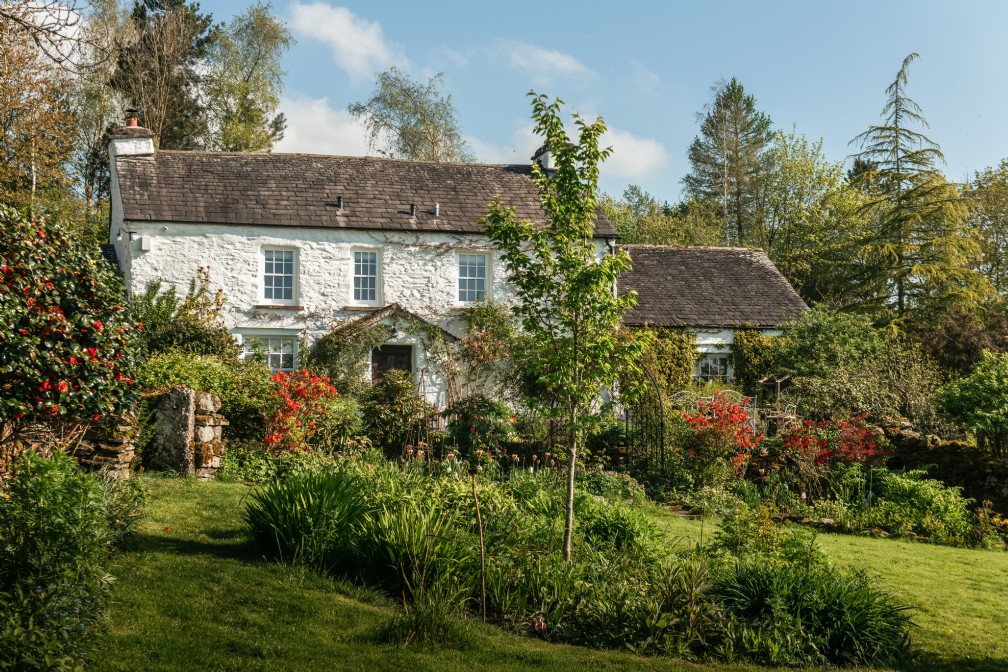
(132, 118)
(437, 210)
(412, 210)
(339, 202)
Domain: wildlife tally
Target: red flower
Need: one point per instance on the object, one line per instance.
(98, 325)
(96, 416)
(62, 386)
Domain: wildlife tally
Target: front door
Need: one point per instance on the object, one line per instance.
(387, 357)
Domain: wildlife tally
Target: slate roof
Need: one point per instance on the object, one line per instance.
(303, 190)
(707, 287)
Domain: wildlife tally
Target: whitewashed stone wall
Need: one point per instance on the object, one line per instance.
(419, 271)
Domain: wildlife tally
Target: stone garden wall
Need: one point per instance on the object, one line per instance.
(187, 434)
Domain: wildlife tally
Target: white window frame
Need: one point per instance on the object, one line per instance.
(377, 300)
(458, 277)
(710, 357)
(274, 344)
(295, 272)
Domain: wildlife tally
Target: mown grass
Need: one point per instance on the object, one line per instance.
(959, 596)
(190, 595)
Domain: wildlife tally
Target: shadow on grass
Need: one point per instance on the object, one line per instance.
(226, 544)
(929, 662)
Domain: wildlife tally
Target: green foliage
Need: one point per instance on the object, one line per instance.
(726, 163)
(640, 219)
(192, 324)
(567, 308)
(671, 355)
(393, 413)
(754, 357)
(785, 614)
(244, 387)
(344, 355)
(989, 191)
(244, 82)
(813, 221)
(918, 253)
(412, 120)
(313, 519)
(54, 539)
(477, 423)
(841, 367)
(158, 70)
(66, 347)
(979, 402)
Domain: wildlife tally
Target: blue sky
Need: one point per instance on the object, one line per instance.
(647, 68)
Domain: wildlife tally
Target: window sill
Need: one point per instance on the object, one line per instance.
(277, 306)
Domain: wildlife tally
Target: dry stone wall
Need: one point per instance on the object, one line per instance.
(187, 436)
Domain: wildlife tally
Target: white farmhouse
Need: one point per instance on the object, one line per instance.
(302, 244)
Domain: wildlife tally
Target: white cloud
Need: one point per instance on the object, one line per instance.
(543, 64)
(632, 158)
(315, 127)
(358, 45)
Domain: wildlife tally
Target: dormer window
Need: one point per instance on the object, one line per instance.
(278, 276)
(472, 278)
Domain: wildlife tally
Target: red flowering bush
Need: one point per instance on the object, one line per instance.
(66, 348)
(308, 413)
(720, 431)
(813, 447)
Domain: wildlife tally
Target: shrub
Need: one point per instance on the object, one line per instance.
(721, 430)
(192, 324)
(393, 414)
(54, 539)
(66, 347)
(244, 387)
(313, 519)
(308, 413)
(477, 423)
(979, 403)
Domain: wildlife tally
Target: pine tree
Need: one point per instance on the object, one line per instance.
(727, 161)
(920, 250)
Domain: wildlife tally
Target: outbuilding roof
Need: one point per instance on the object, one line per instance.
(722, 287)
(342, 192)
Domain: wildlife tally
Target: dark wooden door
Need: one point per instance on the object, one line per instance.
(388, 357)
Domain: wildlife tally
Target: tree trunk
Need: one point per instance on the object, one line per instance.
(571, 461)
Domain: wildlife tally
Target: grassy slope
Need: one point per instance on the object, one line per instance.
(189, 596)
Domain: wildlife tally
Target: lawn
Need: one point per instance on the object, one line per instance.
(189, 595)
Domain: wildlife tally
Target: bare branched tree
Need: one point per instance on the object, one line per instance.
(53, 25)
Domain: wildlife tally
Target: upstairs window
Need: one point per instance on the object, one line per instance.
(365, 277)
(472, 277)
(278, 276)
(278, 352)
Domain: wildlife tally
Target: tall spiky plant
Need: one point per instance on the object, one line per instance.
(920, 250)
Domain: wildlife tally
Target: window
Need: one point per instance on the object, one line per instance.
(365, 277)
(713, 367)
(471, 278)
(278, 276)
(278, 352)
